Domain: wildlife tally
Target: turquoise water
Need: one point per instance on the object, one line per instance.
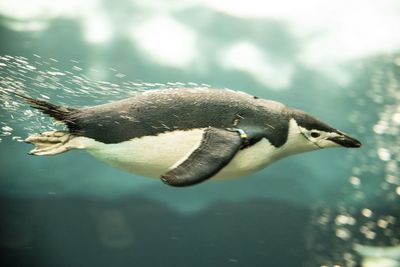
(307, 210)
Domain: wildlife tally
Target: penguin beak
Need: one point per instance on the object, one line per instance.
(345, 140)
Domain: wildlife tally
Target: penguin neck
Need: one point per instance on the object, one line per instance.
(296, 142)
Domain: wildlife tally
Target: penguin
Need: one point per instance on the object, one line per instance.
(185, 136)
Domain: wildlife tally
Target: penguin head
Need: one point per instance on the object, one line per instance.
(320, 134)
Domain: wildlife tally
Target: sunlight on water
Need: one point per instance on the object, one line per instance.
(365, 224)
(46, 80)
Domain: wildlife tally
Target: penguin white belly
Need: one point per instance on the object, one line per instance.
(153, 156)
(249, 160)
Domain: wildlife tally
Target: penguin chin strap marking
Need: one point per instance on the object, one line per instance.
(243, 136)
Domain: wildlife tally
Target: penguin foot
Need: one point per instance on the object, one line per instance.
(49, 143)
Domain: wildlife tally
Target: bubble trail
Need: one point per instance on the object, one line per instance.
(62, 83)
(367, 212)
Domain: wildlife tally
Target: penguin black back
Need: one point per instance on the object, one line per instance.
(156, 112)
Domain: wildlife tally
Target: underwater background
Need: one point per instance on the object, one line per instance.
(339, 61)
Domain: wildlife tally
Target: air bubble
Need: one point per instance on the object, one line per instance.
(382, 223)
(391, 167)
(17, 138)
(7, 129)
(379, 128)
(28, 113)
(355, 180)
(384, 154)
(392, 179)
(55, 73)
(396, 118)
(45, 96)
(30, 67)
(370, 235)
(343, 233)
(120, 75)
(344, 219)
(366, 213)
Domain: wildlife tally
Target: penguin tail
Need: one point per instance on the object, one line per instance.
(59, 113)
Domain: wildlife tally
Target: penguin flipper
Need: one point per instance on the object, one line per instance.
(217, 148)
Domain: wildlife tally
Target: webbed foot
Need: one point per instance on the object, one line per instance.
(49, 143)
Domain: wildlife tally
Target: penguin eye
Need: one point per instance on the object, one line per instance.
(315, 134)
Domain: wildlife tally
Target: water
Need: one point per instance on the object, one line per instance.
(367, 211)
(327, 208)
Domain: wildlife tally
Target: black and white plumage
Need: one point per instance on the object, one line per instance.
(187, 135)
